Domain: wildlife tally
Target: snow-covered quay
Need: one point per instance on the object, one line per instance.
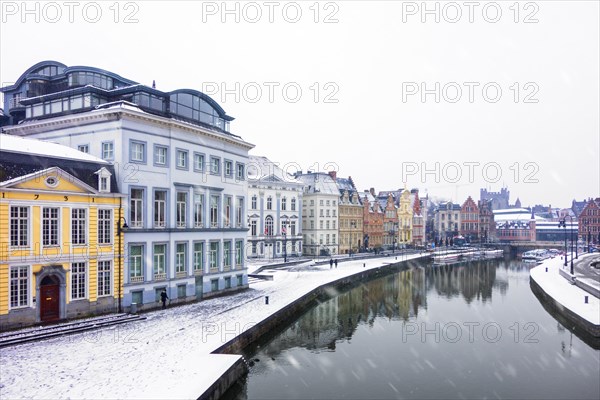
(568, 299)
(167, 355)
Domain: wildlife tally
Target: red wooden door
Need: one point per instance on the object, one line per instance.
(49, 302)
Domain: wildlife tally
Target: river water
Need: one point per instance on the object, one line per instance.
(474, 330)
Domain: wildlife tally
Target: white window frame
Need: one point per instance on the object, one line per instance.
(50, 239)
(105, 226)
(78, 226)
(79, 279)
(105, 278)
(21, 223)
(21, 284)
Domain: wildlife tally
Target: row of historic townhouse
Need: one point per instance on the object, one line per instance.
(474, 221)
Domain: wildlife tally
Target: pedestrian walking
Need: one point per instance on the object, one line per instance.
(330, 263)
(336, 262)
(163, 298)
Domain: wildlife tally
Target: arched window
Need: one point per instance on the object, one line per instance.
(283, 203)
(269, 226)
(293, 205)
(269, 203)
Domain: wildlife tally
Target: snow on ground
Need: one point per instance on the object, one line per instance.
(165, 356)
(569, 296)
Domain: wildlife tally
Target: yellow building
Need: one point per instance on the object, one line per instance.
(405, 218)
(60, 242)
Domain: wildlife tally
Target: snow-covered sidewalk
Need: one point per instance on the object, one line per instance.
(569, 296)
(168, 355)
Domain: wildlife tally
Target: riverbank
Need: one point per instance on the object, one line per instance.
(168, 355)
(573, 303)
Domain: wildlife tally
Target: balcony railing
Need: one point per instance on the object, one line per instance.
(136, 279)
(160, 277)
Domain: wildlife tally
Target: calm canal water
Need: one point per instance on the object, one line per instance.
(469, 331)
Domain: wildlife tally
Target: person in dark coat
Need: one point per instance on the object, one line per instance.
(335, 262)
(330, 263)
(163, 298)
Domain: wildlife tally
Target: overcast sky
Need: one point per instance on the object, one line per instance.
(340, 85)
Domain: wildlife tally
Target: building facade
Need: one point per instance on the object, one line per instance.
(447, 221)
(419, 219)
(350, 212)
(274, 211)
(500, 200)
(589, 222)
(469, 220)
(182, 169)
(61, 246)
(405, 218)
(487, 226)
(319, 214)
(372, 221)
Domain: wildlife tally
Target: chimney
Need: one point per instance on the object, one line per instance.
(372, 191)
(333, 175)
(153, 84)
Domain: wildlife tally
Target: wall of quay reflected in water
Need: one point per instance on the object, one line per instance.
(464, 331)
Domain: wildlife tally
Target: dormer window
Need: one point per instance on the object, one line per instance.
(103, 180)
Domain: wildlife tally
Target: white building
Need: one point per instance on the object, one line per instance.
(274, 211)
(183, 171)
(319, 214)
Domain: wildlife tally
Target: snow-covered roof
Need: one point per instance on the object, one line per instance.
(17, 144)
(319, 183)
(260, 168)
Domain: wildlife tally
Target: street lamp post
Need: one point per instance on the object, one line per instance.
(563, 224)
(120, 230)
(284, 232)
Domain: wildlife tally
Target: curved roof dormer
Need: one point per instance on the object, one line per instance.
(36, 69)
(220, 112)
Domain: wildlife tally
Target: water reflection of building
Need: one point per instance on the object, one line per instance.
(397, 296)
(474, 281)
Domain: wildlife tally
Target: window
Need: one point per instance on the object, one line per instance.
(161, 155)
(283, 204)
(214, 255)
(159, 258)
(104, 226)
(19, 286)
(136, 263)
(180, 291)
(228, 206)
(19, 226)
(198, 210)
(104, 278)
(239, 246)
(228, 282)
(180, 258)
(214, 211)
(269, 226)
(181, 211)
(103, 184)
(78, 225)
(293, 204)
(50, 226)
(107, 151)
(293, 228)
(227, 253)
(269, 203)
(215, 164)
(136, 208)
(198, 162)
(182, 159)
(78, 280)
(239, 212)
(254, 206)
(240, 280)
(228, 166)
(137, 152)
(214, 285)
(253, 227)
(198, 256)
(240, 172)
(84, 148)
(160, 206)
